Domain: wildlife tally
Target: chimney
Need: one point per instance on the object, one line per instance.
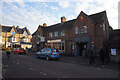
(18, 26)
(63, 19)
(44, 24)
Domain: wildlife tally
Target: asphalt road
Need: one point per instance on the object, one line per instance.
(22, 66)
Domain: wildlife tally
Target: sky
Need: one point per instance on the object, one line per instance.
(31, 14)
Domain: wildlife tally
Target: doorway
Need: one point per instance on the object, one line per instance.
(82, 48)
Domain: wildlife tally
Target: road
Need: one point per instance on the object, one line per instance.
(23, 66)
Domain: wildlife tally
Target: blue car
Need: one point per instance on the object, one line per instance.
(49, 53)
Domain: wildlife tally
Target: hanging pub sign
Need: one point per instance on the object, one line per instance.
(113, 51)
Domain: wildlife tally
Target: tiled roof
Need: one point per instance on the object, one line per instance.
(19, 30)
(114, 35)
(6, 28)
(98, 17)
(60, 26)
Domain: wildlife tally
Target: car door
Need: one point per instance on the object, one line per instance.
(44, 53)
(41, 53)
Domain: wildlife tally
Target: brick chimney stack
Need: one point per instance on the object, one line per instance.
(17, 26)
(63, 19)
(44, 24)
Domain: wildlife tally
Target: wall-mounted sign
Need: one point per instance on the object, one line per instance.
(113, 51)
(52, 41)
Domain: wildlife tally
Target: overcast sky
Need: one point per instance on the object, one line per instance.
(31, 14)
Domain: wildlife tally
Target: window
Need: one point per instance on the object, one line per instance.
(56, 34)
(25, 34)
(12, 33)
(55, 50)
(62, 33)
(104, 27)
(81, 29)
(76, 30)
(50, 34)
(85, 29)
(39, 35)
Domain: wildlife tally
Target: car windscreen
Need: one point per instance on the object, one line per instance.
(55, 50)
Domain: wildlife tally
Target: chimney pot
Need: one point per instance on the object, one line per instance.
(44, 24)
(17, 26)
(63, 19)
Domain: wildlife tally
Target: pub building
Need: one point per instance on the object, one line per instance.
(73, 37)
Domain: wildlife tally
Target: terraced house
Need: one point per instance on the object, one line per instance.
(74, 36)
(12, 35)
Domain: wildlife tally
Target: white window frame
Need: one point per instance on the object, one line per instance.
(50, 34)
(104, 27)
(56, 34)
(76, 30)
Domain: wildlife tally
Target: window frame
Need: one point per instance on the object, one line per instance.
(50, 34)
(56, 34)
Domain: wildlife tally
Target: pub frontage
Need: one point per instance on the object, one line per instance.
(73, 37)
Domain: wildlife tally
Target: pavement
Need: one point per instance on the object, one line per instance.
(84, 61)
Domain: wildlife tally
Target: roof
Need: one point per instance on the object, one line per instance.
(34, 33)
(18, 30)
(21, 30)
(6, 28)
(114, 35)
(98, 17)
(60, 26)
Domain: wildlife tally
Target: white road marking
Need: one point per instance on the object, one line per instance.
(13, 61)
(31, 69)
(17, 63)
(98, 68)
(43, 73)
(23, 65)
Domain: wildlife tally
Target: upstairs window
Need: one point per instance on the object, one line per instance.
(13, 33)
(25, 34)
(81, 30)
(76, 30)
(62, 33)
(50, 34)
(39, 35)
(104, 28)
(56, 34)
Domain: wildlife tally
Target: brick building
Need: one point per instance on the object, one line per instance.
(73, 36)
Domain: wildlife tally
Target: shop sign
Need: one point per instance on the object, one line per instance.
(113, 51)
(52, 41)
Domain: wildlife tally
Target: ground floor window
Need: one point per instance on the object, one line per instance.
(58, 45)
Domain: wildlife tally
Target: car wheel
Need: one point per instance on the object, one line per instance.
(47, 58)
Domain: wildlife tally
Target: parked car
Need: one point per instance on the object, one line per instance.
(19, 51)
(49, 53)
